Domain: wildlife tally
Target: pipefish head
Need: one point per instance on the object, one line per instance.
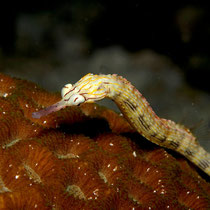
(89, 88)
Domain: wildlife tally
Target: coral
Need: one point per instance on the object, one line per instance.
(85, 157)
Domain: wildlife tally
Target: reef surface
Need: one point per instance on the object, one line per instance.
(85, 157)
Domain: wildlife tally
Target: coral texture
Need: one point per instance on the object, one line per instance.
(85, 157)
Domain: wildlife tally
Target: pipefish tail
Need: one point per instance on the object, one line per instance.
(137, 111)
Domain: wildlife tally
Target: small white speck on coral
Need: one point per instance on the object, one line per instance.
(5, 95)
(17, 176)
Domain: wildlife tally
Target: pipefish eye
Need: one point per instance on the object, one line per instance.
(75, 99)
(66, 89)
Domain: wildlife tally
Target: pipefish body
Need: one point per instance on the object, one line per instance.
(136, 110)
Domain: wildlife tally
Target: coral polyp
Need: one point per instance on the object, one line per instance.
(85, 157)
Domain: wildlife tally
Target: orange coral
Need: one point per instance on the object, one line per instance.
(85, 157)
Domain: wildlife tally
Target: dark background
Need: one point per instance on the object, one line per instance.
(178, 29)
